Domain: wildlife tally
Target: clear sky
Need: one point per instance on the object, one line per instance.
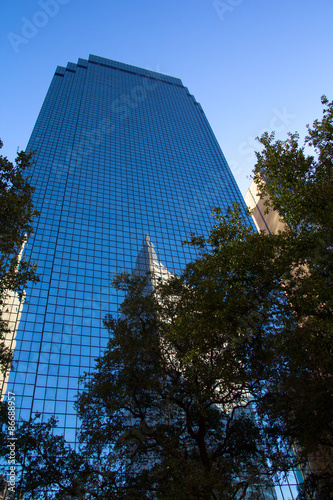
(254, 65)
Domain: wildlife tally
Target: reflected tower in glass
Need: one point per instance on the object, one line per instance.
(122, 152)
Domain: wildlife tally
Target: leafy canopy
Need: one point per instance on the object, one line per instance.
(16, 216)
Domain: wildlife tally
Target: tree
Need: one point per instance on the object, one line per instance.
(166, 413)
(170, 408)
(300, 188)
(16, 215)
(45, 465)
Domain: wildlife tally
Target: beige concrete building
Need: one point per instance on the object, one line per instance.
(269, 223)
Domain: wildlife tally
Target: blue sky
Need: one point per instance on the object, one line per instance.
(254, 65)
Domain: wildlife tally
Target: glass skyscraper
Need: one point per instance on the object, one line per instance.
(127, 167)
(122, 152)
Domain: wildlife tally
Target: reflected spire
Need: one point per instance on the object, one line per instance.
(147, 262)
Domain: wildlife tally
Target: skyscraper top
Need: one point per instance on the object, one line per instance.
(102, 61)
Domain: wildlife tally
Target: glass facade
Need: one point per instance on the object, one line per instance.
(121, 152)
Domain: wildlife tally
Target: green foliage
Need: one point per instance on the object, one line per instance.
(297, 185)
(46, 467)
(169, 402)
(16, 215)
(166, 413)
(300, 188)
